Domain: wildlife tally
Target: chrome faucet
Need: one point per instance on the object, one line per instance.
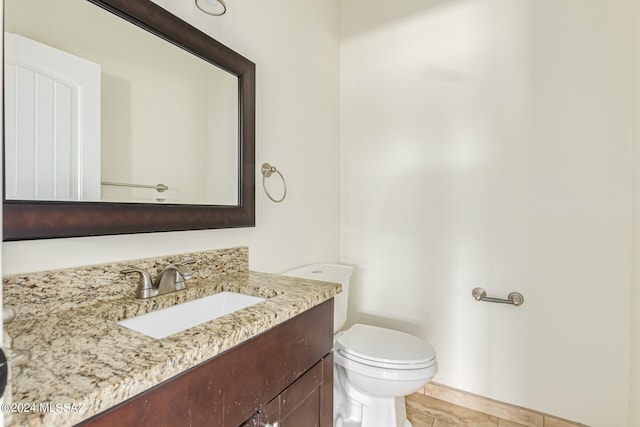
(170, 279)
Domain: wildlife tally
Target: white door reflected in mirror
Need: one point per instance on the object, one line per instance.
(166, 115)
(52, 133)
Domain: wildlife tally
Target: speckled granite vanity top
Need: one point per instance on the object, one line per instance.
(82, 362)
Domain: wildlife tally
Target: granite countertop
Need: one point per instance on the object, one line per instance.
(82, 362)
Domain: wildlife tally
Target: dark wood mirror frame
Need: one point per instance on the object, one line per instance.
(23, 220)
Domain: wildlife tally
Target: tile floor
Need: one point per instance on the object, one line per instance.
(425, 411)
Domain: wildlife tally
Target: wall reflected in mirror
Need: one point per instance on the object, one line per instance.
(93, 101)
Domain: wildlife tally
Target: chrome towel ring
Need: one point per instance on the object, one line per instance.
(267, 171)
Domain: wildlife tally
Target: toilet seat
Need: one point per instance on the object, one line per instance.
(384, 348)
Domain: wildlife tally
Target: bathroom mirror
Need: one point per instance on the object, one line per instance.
(148, 134)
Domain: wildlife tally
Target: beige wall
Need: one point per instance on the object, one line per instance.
(486, 143)
(634, 374)
(295, 47)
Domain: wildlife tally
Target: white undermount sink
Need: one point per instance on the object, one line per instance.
(168, 321)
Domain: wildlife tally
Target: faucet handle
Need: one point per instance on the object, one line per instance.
(182, 269)
(8, 314)
(145, 288)
(19, 357)
(184, 273)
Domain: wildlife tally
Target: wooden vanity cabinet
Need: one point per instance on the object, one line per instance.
(283, 376)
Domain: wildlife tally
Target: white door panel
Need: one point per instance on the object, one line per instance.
(52, 123)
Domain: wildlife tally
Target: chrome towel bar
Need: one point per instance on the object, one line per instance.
(160, 188)
(514, 298)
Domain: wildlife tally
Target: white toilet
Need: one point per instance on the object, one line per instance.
(374, 367)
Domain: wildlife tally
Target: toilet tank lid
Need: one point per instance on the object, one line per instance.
(323, 272)
(381, 345)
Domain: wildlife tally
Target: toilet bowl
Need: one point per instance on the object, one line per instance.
(374, 367)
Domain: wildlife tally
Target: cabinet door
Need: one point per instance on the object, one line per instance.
(303, 403)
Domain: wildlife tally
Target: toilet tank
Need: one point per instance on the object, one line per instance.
(336, 273)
